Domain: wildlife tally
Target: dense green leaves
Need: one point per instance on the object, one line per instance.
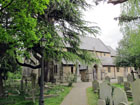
(129, 47)
(24, 23)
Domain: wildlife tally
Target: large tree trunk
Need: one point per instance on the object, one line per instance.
(1, 85)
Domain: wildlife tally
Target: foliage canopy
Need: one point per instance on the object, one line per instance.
(24, 23)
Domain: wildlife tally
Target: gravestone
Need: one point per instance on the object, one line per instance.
(122, 103)
(101, 102)
(95, 86)
(129, 78)
(120, 79)
(107, 78)
(136, 92)
(119, 96)
(105, 92)
(127, 88)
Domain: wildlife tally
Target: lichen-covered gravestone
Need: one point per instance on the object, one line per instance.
(136, 92)
(120, 79)
(101, 102)
(122, 103)
(127, 86)
(129, 78)
(107, 78)
(119, 96)
(95, 86)
(106, 92)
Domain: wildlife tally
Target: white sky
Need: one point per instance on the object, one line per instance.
(103, 14)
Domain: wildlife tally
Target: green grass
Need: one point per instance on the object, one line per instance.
(62, 91)
(92, 97)
(118, 85)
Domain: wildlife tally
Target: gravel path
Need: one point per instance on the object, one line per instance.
(77, 95)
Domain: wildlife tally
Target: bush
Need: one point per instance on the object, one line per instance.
(70, 79)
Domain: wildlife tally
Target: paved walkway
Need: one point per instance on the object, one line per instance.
(77, 95)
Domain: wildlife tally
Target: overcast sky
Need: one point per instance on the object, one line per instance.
(103, 14)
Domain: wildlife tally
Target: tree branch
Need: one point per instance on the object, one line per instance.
(125, 18)
(6, 6)
(116, 1)
(37, 57)
(28, 65)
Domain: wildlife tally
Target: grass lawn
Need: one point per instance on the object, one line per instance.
(63, 91)
(118, 85)
(19, 100)
(91, 96)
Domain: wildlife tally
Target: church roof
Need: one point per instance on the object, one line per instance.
(107, 61)
(95, 44)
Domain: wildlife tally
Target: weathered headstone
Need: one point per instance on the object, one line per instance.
(101, 102)
(119, 96)
(122, 103)
(106, 92)
(120, 79)
(95, 86)
(127, 88)
(107, 78)
(129, 78)
(136, 92)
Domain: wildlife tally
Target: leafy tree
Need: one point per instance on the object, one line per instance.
(7, 64)
(129, 46)
(24, 23)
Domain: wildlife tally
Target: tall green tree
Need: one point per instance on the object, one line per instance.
(24, 23)
(129, 53)
(7, 64)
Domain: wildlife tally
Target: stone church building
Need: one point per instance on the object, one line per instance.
(106, 66)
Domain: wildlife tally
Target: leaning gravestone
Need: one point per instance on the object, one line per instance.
(129, 78)
(120, 79)
(107, 78)
(95, 86)
(122, 103)
(106, 92)
(136, 92)
(119, 96)
(101, 102)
